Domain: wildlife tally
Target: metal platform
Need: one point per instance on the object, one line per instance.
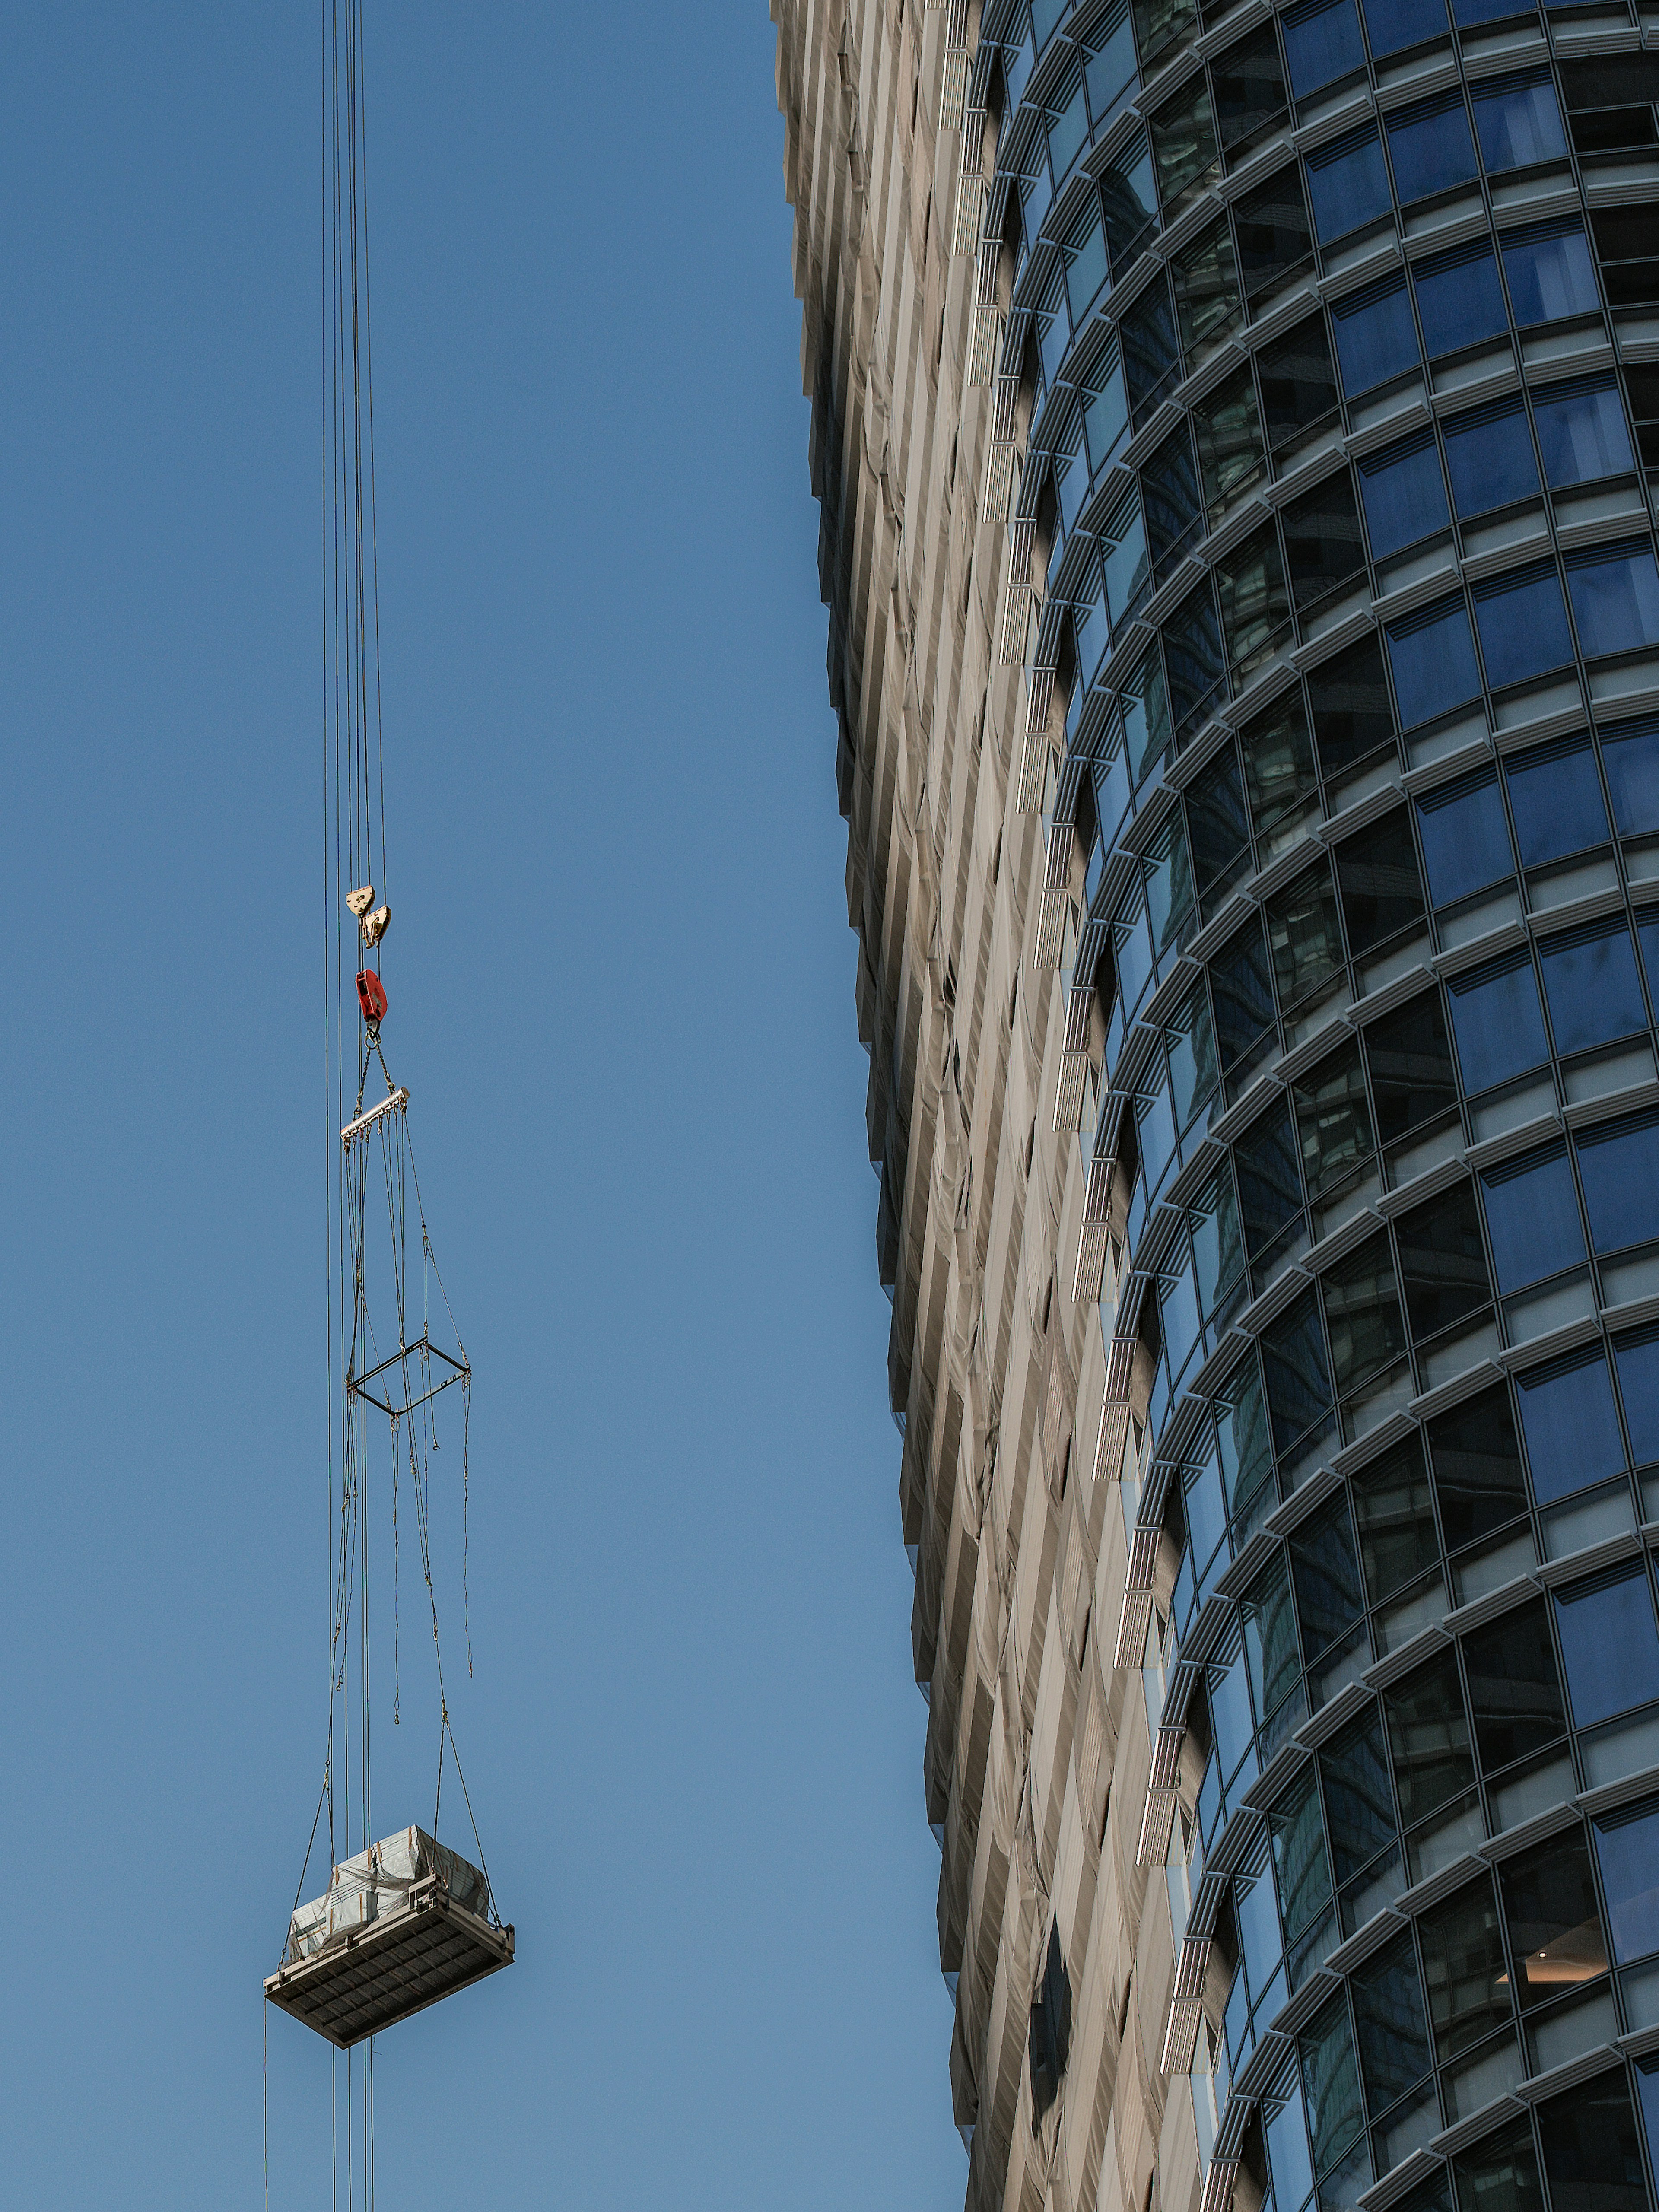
(372, 1978)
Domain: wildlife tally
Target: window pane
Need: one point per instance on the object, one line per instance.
(1330, 2084)
(1523, 624)
(1404, 494)
(1393, 25)
(1254, 604)
(1306, 940)
(1501, 2173)
(1218, 1246)
(1068, 126)
(1376, 336)
(1271, 225)
(1478, 1482)
(1467, 1973)
(1571, 1429)
(1515, 1697)
(1615, 599)
(1361, 1315)
(1442, 1261)
(1491, 458)
(1321, 43)
(1609, 1644)
(1217, 830)
(1270, 1193)
(1270, 1647)
(1325, 1573)
(1550, 273)
(1333, 1119)
(1627, 1845)
(1150, 360)
(1630, 753)
(1393, 2029)
(1618, 1167)
(1322, 539)
(1293, 1365)
(1582, 433)
(1466, 837)
(1460, 299)
(1299, 1859)
(1127, 197)
(1409, 1057)
(1591, 2155)
(1105, 409)
(1169, 497)
(1191, 656)
(1555, 795)
(1348, 697)
(1183, 139)
(1554, 1925)
(1086, 268)
(1248, 85)
(1591, 984)
(1241, 988)
(1205, 287)
(1518, 122)
(1395, 1516)
(1636, 1358)
(1298, 390)
(1498, 1024)
(1432, 656)
(1430, 146)
(1428, 1737)
(1158, 21)
(1278, 767)
(1381, 891)
(1358, 1802)
(1348, 184)
(1532, 1219)
(1109, 67)
(1229, 447)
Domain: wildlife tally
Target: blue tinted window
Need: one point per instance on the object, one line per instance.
(1498, 1024)
(1518, 121)
(1630, 753)
(1490, 458)
(1460, 299)
(1615, 597)
(1556, 797)
(1085, 270)
(1465, 12)
(1609, 1644)
(1430, 146)
(1550, 273)
(1571, 1429)
(1068, 129)
(1627, 1844)
(1523, 624)
(1532, 1219)
(1376, 336)
(1404, 494)
(1321, 43)
(1647, 934)
(1432, 656)
(1618, 1167)
(1466, 838)
(1348, 184)
(1591, 984)
(1637, 1359)
(1581, 433)
(1393, 25)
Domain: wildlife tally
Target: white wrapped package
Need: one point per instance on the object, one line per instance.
(378, 1882)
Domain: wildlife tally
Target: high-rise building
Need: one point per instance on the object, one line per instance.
(1233, 427)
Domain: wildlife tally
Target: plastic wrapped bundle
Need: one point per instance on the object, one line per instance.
(402, 1925)
(378, 1882)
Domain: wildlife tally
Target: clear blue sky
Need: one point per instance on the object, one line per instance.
(624, 1007)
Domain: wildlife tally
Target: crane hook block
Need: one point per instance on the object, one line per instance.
(371, 997)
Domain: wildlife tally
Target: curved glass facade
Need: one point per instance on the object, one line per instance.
(1326, 353)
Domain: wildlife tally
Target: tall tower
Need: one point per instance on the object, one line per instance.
(1232, 429)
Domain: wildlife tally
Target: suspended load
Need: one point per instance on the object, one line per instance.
(402, 1925)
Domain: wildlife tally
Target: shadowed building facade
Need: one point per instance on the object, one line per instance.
(1233, 429)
